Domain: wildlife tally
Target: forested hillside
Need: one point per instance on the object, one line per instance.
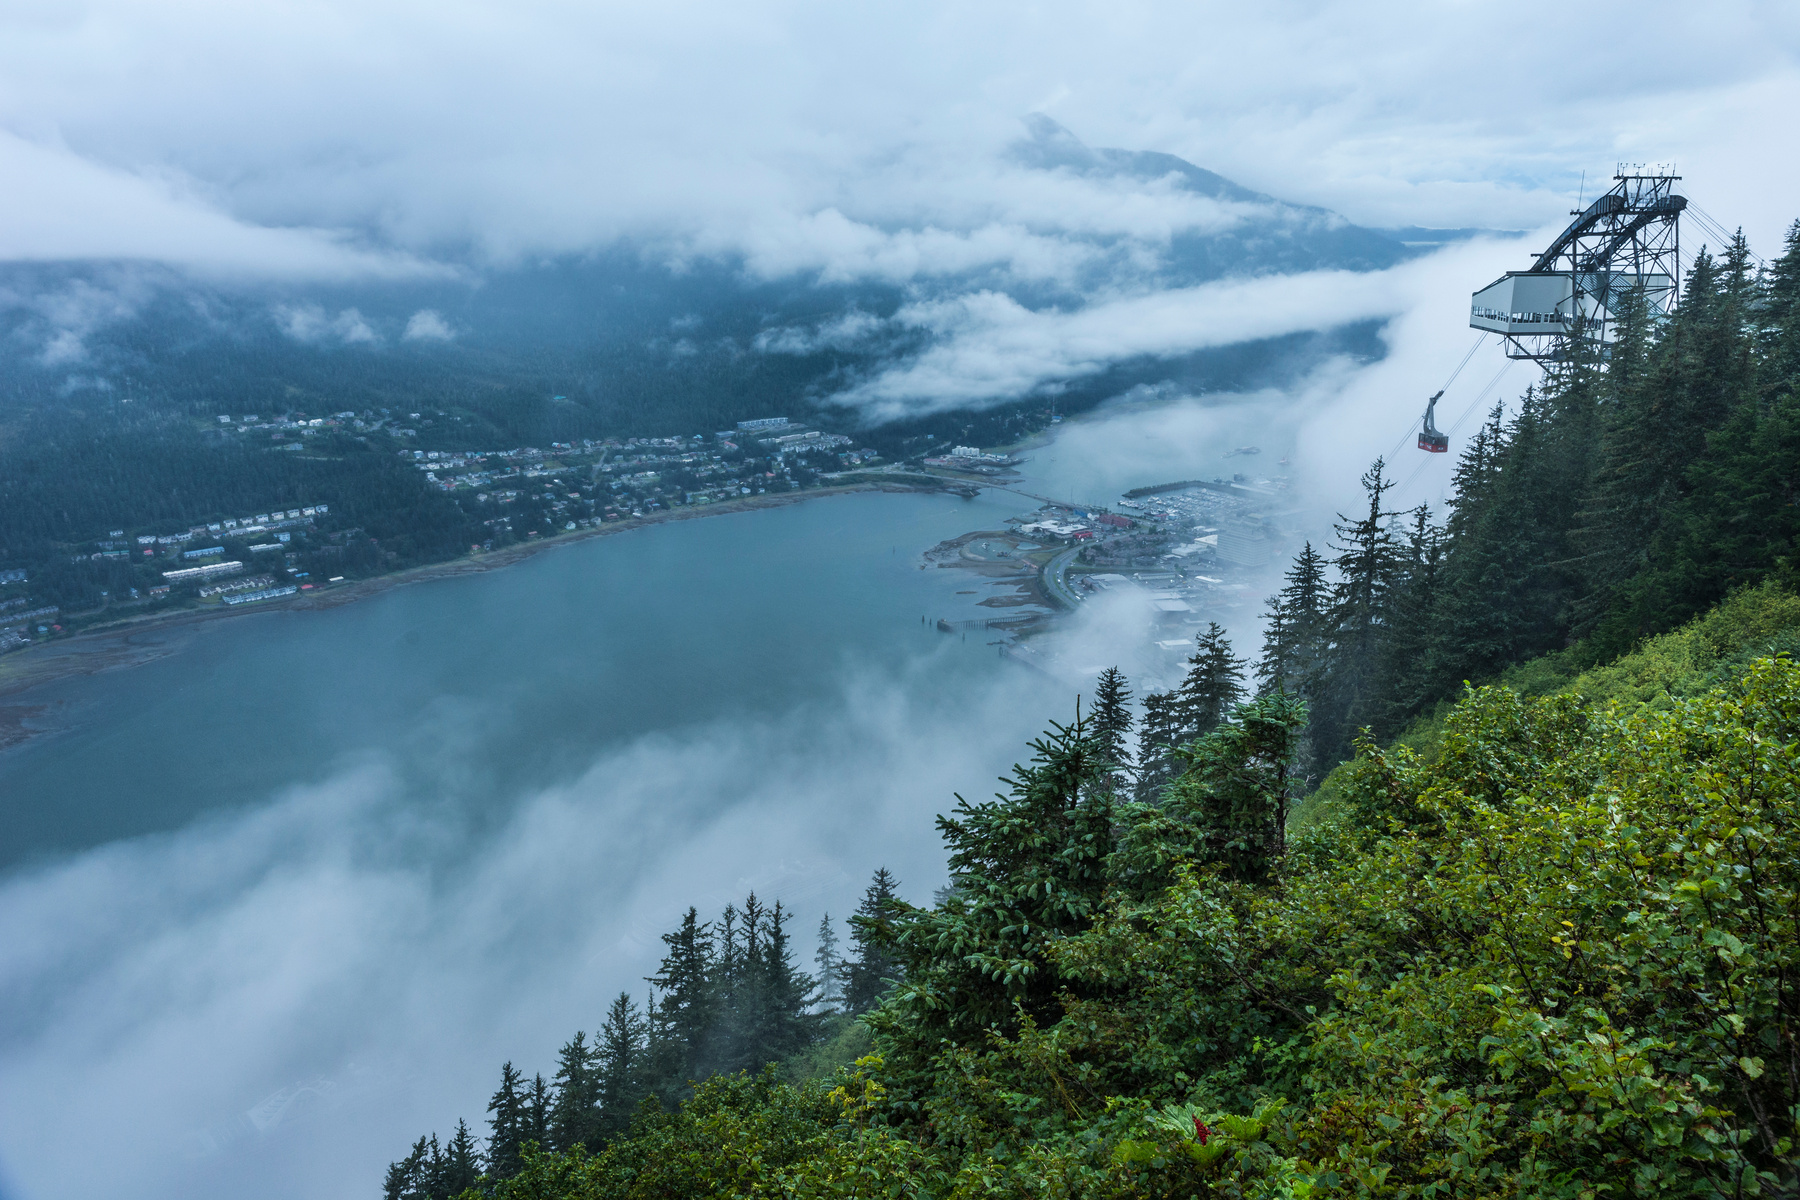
(1544, 944)
(1618, 500)
(1555, 960)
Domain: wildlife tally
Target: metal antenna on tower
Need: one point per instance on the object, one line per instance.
(1567, 304)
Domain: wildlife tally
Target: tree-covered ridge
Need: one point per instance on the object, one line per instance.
(1556, 960)
(727, 997)
(1620, 499)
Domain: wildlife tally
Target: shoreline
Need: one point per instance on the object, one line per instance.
(133, 641)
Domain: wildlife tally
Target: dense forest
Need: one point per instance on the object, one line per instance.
(1618, 500)
(1482, 881)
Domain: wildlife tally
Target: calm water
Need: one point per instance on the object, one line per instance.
(484, 687)
(274, 905)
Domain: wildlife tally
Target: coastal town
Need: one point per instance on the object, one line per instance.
(505, 497)
(1188, 549)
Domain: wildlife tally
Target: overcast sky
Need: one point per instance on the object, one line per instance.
(379, 136)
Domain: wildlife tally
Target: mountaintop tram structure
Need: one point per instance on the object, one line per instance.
(1568, 303)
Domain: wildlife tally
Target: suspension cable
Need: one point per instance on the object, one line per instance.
(1466, 413)
(1414, 427)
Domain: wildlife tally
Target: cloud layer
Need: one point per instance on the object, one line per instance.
(378, 956)
(334, 138)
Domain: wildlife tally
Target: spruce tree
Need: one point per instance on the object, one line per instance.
(831, 988)
(1620, 510)
(730, 1001)
(1238, 786)
(621, 1048)
(574, 1112)
(870, 970)
(1407, 684)
(509, 1125)
(1471, 625)
(1700, 370)
(408, 1179)
(1295, 634)
(1112, 721)
(684, 1010)
(1738, 518)
(462, 1163)
(1366, 561)
(1213, 686)
(536, 1114)
(1158, 735)
(783, 1026)
(1029, 869)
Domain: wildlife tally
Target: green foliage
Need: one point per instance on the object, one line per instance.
(1702, 654)
(1213, 686)
(1544, 945)
(1556, 960)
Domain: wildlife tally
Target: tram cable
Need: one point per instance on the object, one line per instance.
(1466, 413)
(1414, 427)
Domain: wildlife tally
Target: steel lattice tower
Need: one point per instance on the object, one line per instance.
(1567, 304)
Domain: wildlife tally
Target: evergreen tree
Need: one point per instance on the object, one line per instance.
(1158, 735)
(731, 1003)
(1413, 634)
(1029, 869)
(871, 970)
(509, 1125)
(1736, 519)
(1350, 696)
(1620, 509)
(461, 1163)
(410, 1178)
(434, 1172)
(1238, 785)
(1112, 721)
(1214, 685)
(536, 1114)
(684, 1009)
(1294, 638)
(619, 1069)
(831, 988)
(1472, 621)
(783, 1026)
(574, 1113)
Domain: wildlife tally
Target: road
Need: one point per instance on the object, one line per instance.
(1056, 579)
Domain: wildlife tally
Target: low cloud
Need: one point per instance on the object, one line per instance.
(428, 325)
(793, 139)
(53, 320)
(278, 1001)
(987, 348)
(68, 207)
(311, 323)
(854, 330)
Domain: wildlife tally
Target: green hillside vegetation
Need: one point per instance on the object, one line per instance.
(1557, 960)
(1712, 649)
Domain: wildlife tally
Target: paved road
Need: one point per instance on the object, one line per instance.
(1056, 579)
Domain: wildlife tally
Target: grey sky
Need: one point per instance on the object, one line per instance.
(332, 138)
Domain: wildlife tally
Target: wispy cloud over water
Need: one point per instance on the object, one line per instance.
(277, 1001)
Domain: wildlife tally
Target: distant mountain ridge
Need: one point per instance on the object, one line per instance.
(633, 345)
